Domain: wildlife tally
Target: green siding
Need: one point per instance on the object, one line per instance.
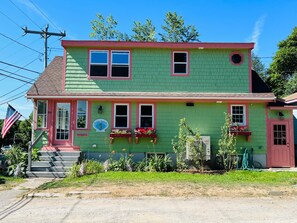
(273, 114)
(210, 71)
(43, 141)
(207, 118)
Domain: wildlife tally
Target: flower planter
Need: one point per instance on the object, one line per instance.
(153, 136)
(243, 133)
(113, 136)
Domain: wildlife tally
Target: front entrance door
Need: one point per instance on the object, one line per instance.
(280, 144)
(62, 130)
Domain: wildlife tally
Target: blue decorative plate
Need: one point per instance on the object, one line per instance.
(100, 125)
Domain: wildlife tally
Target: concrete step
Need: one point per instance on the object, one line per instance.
(59, 158)
(39, 174)
(59, 153)
(50, 169)
(52, 163)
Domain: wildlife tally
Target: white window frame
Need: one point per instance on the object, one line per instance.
(111, 63)
(244, 114)
(87, 107)
(90, 63)
(46, 114)
(153, 115)
(115, 115)
(187, 63)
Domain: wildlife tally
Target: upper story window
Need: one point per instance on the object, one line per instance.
(238, 113)
(99, 63)
(180, 63)
(236, 58)
(146, 117)
(81, 114)
(120, 63)
(121, 116)
(41, 114)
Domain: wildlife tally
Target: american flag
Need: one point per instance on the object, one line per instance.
(11, 117)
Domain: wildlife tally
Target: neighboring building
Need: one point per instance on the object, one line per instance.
(98, 86)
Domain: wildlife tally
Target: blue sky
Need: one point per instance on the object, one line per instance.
(265, 22)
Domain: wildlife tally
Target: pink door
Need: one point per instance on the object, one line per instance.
(280, 144)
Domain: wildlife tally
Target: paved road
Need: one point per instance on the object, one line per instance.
(151, 210)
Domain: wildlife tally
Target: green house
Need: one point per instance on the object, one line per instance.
(94, 97)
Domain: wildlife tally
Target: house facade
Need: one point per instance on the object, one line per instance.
(93, 98)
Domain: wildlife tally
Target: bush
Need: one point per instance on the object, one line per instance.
(125, 163)
(87, 167)
(15, 161)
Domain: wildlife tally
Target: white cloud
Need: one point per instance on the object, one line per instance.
(257, 32)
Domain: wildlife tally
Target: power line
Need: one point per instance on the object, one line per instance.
(22, 68)
(20, 93)
(17, 75)
(1, 74)
(13, 90)
(11, 100)
(10, 19)
(25, 14)
(44, 14)
(20, 43)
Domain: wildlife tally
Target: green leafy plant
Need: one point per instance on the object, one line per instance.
(35, 154)
(86, 167)
(16, 161)
(157, 163)
(227, 145)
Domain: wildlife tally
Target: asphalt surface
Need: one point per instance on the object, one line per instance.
(151, 209)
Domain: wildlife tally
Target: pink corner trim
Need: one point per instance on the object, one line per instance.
(64, 70)
(242, 58)
(125, 45)
(250, 71)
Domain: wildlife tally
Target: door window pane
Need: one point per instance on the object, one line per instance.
(279, 134)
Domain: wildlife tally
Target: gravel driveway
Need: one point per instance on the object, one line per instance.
(152, 209)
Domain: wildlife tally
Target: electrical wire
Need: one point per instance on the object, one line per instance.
(7, 37)
(13, 90)
(18, 75)
(11, 100)
(22, 68)
(13, 96)
(1, 74)
(10, 19)
(25, 14)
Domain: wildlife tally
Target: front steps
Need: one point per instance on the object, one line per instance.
(53, 164)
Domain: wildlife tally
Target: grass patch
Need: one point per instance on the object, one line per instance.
(248, 178)
(7, 183)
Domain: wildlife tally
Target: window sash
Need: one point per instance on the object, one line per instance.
(82, 115)
(42, 114)
(239, 114)
(116, 64)
(118, 118)
(142, 117)
(102, 67)
(176, 63)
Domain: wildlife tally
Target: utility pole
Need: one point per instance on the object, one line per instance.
(45, 34)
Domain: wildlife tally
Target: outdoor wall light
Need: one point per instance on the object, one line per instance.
(281, 115)
(100, 109)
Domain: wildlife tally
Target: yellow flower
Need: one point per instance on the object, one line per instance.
(123, 149)
(112, 152)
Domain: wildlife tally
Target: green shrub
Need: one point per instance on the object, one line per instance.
(125, 163)
(35, 154)
(16, 161)
(87, 167)
(159, 163)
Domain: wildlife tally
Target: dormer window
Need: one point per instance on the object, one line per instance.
(180, 63)
(99, 63)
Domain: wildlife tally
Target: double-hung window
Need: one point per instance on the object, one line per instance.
(121, 116)
(120, 63)
(99, 63)
(81, 114)
(146, 116)
(180, 63)
(238, 113)
(41, 114)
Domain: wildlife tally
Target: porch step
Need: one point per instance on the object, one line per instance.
(61, 148)
(40, 174)
(54, 163)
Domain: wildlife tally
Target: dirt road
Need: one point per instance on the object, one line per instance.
(152, 209)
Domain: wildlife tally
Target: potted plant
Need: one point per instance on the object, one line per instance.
(145, 133)
(120, 133)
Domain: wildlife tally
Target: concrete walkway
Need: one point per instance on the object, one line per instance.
(14, 196)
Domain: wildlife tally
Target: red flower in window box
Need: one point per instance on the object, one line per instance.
(241, 130)
(145, 133)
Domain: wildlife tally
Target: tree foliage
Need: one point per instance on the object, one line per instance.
(283, 69)
(176, 31)
(144, 32)
(259, 66)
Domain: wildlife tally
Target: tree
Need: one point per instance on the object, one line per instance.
(259, 67)
(176, 31)
(144, 32)
(284, 66)
(105, 29)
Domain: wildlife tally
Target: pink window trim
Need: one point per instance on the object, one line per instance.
(89, 107)
(188, 63)
(109, 65)
(242, 58)
(113, 114)
(138, 114)
(250, 72)
(246, 111)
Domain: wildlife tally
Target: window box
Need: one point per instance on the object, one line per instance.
(145, 133)
(241, 131)
(120, 133)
